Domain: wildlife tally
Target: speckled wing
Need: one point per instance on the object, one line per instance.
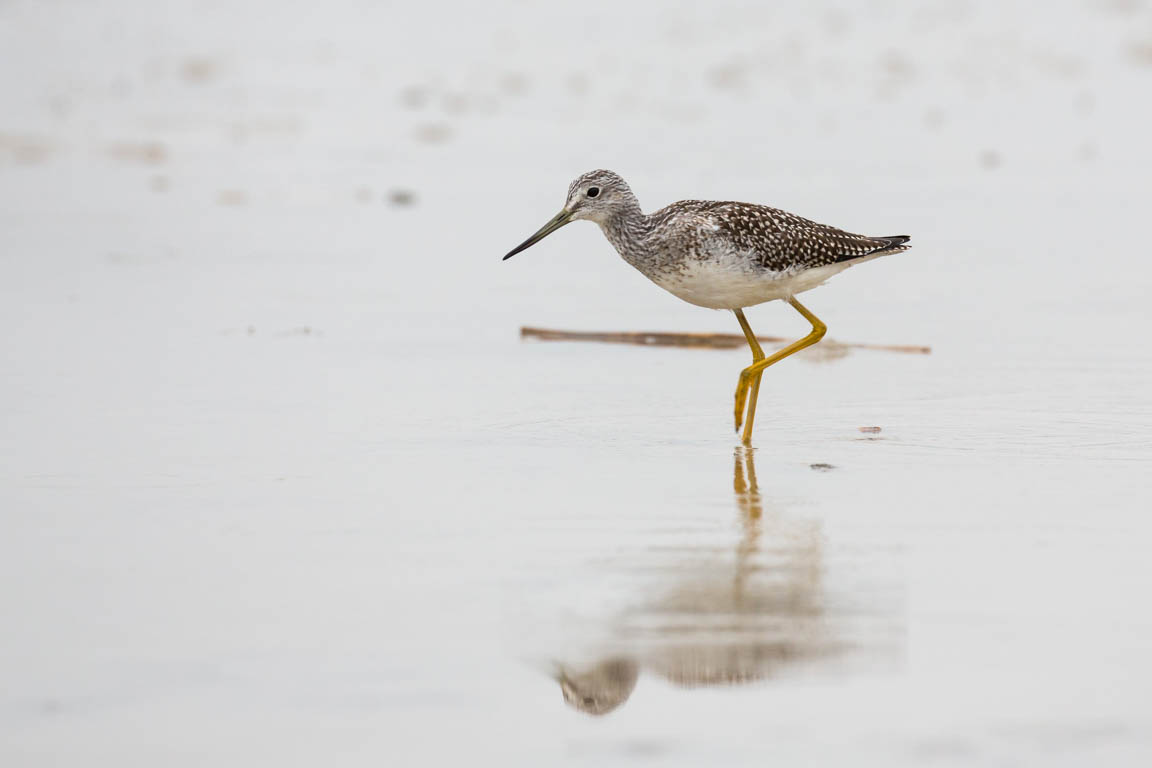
(780, 241)
(808, 247)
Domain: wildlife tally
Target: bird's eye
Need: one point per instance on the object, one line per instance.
(593, 191)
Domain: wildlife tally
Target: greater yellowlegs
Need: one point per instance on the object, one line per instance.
(721, 255)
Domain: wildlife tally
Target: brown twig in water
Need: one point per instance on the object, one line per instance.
(694, 340)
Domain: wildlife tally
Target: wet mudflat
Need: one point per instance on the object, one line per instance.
(280, 481)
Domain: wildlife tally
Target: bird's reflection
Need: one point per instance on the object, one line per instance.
(723, 619)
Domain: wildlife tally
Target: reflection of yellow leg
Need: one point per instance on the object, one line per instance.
(748, 500)
(744, 484)
(750, 376)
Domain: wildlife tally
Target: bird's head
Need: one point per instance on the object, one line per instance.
(597, 196)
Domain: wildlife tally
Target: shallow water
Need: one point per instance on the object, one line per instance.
(281, 483)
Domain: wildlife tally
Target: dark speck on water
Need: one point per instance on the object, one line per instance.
(402, 197)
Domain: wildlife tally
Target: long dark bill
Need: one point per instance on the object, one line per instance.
(557, 221)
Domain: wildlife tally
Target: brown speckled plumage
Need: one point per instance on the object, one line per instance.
(721, 254)
(777, 240)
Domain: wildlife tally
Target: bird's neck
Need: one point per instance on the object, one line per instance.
(628, 230)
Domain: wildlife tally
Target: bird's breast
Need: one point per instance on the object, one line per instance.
(717, 285)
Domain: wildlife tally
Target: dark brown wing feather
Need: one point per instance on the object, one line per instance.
(783, 241)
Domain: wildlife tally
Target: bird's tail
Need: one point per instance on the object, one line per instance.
(894, 242)
(884, 246)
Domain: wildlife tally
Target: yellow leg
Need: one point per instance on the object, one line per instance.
(757, 356)
(750, 376)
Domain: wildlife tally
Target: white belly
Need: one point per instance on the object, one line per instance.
(717, 285)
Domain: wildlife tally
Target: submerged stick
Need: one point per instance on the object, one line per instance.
(694, 340)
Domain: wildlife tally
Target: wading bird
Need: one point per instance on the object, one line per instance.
(721, 255)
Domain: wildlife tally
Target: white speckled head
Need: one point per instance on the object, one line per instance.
(599, 196)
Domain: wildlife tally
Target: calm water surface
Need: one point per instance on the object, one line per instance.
(281, 484)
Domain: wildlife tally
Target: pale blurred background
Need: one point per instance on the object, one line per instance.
(280, 484)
